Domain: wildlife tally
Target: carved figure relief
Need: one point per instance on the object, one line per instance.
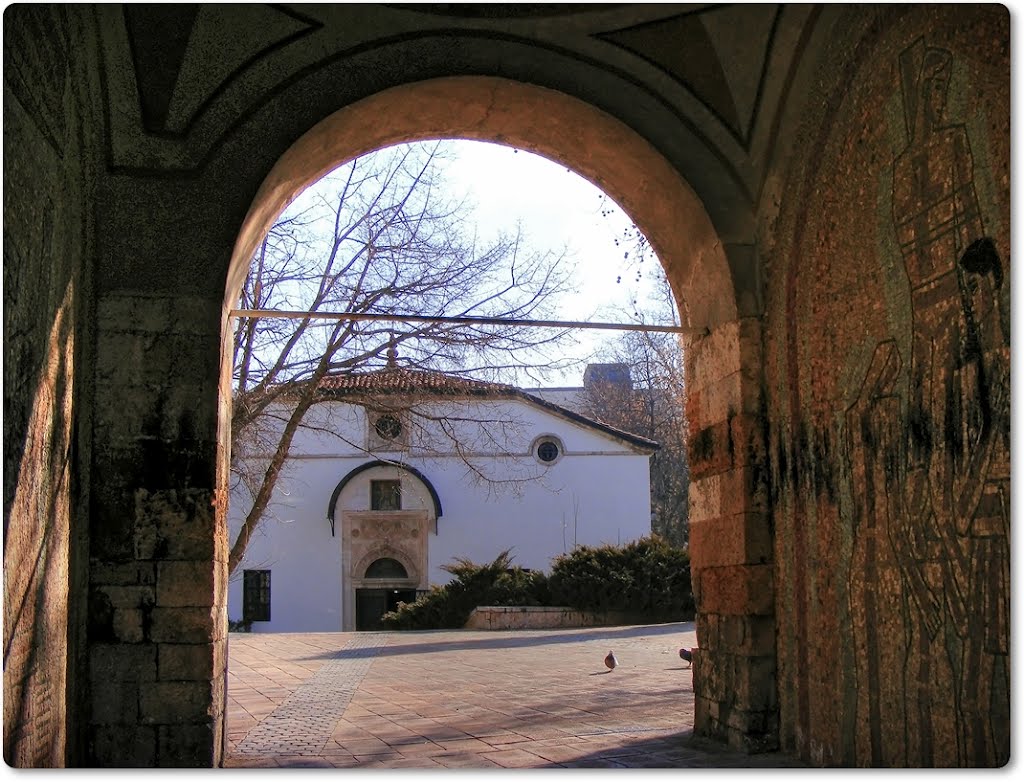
(930, 464)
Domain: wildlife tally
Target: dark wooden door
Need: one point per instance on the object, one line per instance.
(396, 596)
(372, 604)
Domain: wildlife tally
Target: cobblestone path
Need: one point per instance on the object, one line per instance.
(304, 722)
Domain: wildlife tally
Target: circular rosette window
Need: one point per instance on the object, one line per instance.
(548, 449)
(388, 427)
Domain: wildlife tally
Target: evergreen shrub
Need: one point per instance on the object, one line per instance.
(449, 605)
(648, 579)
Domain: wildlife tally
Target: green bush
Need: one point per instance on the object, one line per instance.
(449, 605)
(430, 611)
(519, 587)
(648, 578)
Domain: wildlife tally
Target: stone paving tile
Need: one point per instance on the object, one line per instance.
(466, 745)
(514, 758)
(499, 739)
(593, 763)
(344, 761)
(468, 760)
(469, 699)
(442, 732)
(406, 763)
(303, 761)
(423, 750)
(398, 740)
(567, 741)
(235, 761)
(376, 757)
(305, 718)
(487, 732)
(542, 733)
(366, 747)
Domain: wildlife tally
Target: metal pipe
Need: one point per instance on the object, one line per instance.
(467, 320)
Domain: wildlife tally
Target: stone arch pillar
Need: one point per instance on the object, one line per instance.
(731, 545)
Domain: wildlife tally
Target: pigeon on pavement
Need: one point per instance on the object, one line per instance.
(610, 661)
(687, 655)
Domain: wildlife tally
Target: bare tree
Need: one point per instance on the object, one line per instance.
(382, 237)
(652, 401)
(652, 406)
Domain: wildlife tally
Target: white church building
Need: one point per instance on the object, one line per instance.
(399, 471)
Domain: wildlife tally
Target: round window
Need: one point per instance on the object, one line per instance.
(547, 450)
(388, 427)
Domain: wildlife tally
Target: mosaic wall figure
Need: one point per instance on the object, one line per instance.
(931, 465)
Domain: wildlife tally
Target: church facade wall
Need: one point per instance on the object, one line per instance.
(596, 492)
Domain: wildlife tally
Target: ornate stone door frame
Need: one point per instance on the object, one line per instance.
(367, 536)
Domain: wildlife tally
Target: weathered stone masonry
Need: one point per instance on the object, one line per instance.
(730, 540)
(157, 591)
(51, 103)
(887, 378)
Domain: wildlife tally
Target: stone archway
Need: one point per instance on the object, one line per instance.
(731, 544)
(137, 143)
(537, 119)
(385, 576)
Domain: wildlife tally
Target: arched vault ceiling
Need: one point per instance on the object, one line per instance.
(718, 53)
(709, 80)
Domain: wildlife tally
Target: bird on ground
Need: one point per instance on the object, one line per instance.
(610, 661)
(687, 655)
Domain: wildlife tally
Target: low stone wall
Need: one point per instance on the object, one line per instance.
(539, 618)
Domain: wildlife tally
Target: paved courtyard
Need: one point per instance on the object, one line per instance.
(468, 699)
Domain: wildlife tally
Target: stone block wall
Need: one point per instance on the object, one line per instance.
(539, 618)
(157, 622)
(887, 384)
(731, 540)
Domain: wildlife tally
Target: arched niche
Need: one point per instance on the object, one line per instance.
(429, 498)
(386, 568)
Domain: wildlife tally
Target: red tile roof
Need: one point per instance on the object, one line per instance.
(410, 381)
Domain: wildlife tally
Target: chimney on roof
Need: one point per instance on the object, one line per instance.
(392, 354)
(607, 374)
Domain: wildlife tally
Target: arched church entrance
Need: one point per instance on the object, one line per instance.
(384, 585)
(730, 541)
(384, 544)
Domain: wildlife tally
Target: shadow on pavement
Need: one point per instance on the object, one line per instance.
(678, 750)
(513, 640)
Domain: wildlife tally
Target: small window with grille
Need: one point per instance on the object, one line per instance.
(256, 595)
(547, 450)
(386, 495)
(388, 427)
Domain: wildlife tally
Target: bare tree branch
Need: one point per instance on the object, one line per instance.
(386, 239)
(653, 406)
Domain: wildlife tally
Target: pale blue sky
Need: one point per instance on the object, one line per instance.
(558, 208)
